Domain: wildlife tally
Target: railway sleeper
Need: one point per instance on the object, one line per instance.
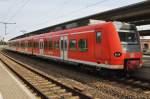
(39, 81)
(145, 84)
(49, 89)
(42, 81)
(29, 80)
(48, 86)
(59, 91)
(63, 95)
(54, 97)
(74, 97)
(55, 88)
(44, 87)
(130, 80)
(42, 84)
(137, 82)
(66, 95)
(38, 78)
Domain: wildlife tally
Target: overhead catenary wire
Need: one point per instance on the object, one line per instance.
(87, 6)
(58, 8)
(10, 8)
(74, 11)
(18, 10)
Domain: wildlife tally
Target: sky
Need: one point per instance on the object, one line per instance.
(31, 15)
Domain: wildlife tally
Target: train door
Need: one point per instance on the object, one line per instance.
(32, 46)
(41, 46)
(98, 38)
(64, 48)
(26, 46)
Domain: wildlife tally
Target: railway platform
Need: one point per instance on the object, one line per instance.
(147, 57)
(146, 61)
(11, 87)
(144, 72)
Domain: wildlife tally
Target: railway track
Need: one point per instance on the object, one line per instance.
(116, 87)
(43, 85)
(134, 82)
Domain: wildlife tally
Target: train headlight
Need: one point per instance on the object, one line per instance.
(117, 54)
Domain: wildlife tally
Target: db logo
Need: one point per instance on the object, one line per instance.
(132, 55)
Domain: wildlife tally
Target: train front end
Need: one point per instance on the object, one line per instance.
(130, 43)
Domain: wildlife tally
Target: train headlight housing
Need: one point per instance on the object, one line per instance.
(117, 54)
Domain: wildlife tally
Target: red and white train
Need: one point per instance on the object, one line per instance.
(111, 45)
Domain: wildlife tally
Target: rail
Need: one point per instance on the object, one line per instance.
(42, 84)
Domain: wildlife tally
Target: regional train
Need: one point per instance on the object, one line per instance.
(109, 45)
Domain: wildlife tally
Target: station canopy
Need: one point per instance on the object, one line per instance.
(138, 14)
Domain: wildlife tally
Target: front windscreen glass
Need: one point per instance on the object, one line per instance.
(127, 33)
(128, 37)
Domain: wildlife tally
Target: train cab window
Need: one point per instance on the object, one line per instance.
(83, 45)
(56, 44)
(50, 44)
(73, 44)
(98, 37)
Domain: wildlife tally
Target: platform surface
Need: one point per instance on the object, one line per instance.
(146, 61)
(11, 87)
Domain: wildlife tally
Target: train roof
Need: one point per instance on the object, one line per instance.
(64, 31)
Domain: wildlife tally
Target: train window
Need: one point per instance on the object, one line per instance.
(65, 45)
(37, 45)
(83, 45)
(98, 37)
(22, 44)
(56, 44)
(26, 44)
(29, 44)
(34, 44)
(73, 44)
(45, 44)
(62, 45)
(50, 44)
(16, 44)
